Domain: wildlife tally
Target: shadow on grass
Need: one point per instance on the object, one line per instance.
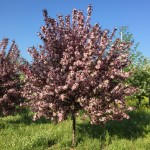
(27, 120)
(24, 117)
(130, 129)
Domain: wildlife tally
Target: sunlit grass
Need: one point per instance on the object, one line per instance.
(19, 132)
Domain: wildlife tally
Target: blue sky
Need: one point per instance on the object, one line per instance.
(21, 20)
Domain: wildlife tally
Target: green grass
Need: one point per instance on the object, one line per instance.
(19, 132)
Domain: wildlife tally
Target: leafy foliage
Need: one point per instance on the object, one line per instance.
(139, 66)
(10, 84)
(141, 79)
(78, 68)
(136, 57)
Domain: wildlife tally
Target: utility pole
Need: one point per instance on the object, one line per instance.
(121, 35)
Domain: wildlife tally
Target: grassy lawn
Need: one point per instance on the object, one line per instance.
(19, 132)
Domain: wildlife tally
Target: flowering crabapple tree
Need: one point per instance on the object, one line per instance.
(10, 83)
(78, 67)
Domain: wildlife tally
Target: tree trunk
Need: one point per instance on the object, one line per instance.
(149, 100)
(73, 130)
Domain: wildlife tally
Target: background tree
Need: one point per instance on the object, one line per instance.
(10, 83)
(77, 68)
(136, 57)
(141, 79)
(139, 65)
